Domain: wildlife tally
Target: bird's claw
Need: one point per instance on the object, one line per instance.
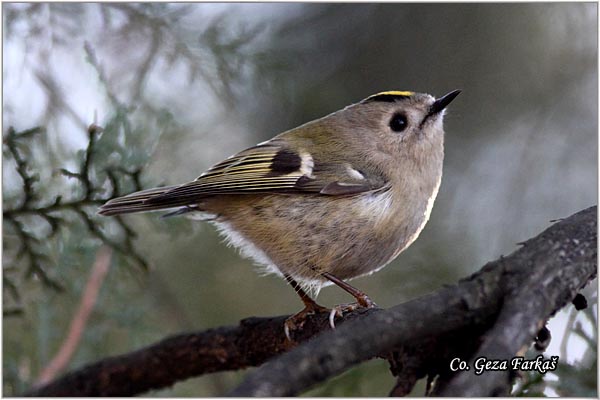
(297, 320)
(339, 310)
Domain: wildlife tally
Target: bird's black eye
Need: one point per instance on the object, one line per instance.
(398, 123)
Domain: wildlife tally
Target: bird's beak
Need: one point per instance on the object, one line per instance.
(443, 102)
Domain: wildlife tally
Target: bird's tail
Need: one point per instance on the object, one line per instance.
(137, 202)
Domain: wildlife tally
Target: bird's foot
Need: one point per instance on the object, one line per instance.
(363, 301)
(297, 320)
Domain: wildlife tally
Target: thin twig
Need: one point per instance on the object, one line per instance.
(80, 318)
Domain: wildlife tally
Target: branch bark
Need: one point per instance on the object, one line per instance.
(496, 312)
(180, 357)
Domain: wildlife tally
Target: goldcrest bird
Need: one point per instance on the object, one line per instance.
(326, 202)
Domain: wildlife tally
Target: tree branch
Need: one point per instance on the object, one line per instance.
(560, 262)
(180, 357)
(496, 312)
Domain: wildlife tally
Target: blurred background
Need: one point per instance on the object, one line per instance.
(179, 87)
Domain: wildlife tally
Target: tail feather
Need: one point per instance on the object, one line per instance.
(136, 202)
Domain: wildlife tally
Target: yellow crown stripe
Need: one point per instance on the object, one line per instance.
(389, 96)
(394, 93)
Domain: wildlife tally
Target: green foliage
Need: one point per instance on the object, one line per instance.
(33, 242)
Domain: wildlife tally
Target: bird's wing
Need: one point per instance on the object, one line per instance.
(271, 168)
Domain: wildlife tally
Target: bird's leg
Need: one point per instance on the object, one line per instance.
(297, 320)
(362, 300)
(360, 296)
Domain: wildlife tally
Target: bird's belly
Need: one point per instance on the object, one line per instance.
(303, 236)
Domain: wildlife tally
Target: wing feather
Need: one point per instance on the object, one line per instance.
(266, 168)
(247, 172)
